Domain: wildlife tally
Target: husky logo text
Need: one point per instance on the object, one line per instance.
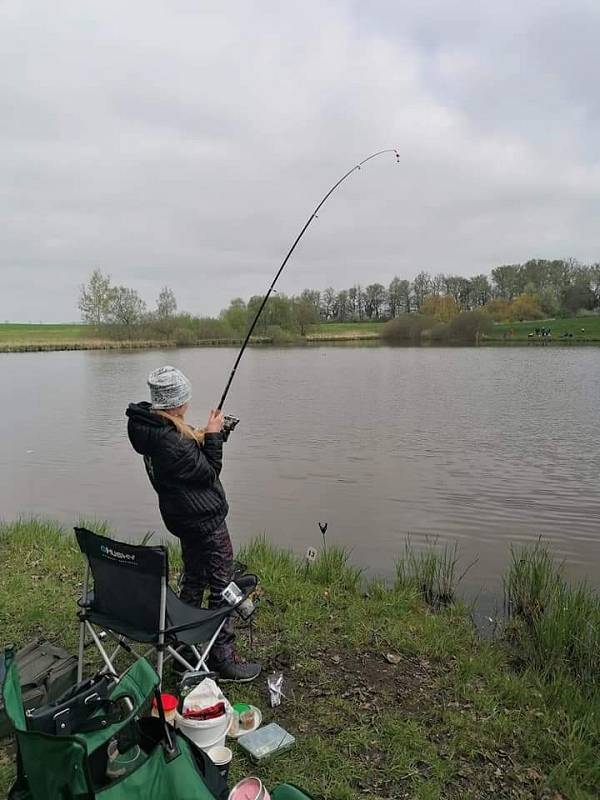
(108, 551)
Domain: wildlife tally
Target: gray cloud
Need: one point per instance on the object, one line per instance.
(185, 143)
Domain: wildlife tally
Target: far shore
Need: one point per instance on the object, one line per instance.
(24, 338)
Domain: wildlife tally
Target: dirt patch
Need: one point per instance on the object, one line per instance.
(410, 685)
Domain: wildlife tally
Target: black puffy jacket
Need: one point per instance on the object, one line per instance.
(184, 473)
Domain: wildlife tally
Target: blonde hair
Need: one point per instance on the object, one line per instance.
(185, 430)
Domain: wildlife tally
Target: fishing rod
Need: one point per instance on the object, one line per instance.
(231, 422)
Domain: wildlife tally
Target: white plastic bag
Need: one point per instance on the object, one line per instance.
(204, 695)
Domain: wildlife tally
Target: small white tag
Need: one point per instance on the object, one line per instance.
(311, 555)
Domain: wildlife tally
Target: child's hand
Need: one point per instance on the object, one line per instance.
(215, 421)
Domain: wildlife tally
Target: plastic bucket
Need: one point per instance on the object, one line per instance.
(205, 733)
(249, 789)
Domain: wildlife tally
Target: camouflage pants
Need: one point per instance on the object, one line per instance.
(208, 564)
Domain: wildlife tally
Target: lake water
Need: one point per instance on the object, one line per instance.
(487, 446)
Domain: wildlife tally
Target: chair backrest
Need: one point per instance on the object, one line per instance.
(128, 580)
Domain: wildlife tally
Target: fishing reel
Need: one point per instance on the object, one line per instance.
(229, 424)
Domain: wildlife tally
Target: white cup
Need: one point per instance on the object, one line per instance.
(221, 758)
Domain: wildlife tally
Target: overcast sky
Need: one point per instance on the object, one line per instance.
(184, 143)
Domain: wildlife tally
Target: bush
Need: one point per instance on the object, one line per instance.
(498, 309)
(183, 337)
(526, 306)
(209, 328)
(442, 308)
(278, 335)
(440, 332)
(407, 328)
(469, 325)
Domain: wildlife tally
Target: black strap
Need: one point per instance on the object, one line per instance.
(110, 710)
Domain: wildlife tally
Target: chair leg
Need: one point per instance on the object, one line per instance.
(178, 657)
(161, 632)
(81, 650)
(101, 650)
(202, 658)
(86, 583)
(160, 659)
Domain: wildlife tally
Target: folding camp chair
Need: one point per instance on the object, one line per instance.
(131, 601)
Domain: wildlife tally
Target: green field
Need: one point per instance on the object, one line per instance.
(17, 333)
(345, 330)
(584, 329)
(29, 336)
(343, 327)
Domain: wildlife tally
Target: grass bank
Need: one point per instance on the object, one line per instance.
(572, 330)
(344, 331)
(387, 698)
(40, 337)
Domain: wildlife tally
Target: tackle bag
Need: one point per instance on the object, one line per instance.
(46, 672)
(84, 708)
(74, 767)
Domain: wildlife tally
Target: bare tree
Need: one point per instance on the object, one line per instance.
(166, 305)
(376, 296)
(361, 302)
(327, 302)
(95, 298)
(481, 291)
(126, 307)
(438, 283)
(353, 301)
(421, 288)
(341, 306)
(508, 281)
(306, 310)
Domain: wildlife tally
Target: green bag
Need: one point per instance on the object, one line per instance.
(74, 767)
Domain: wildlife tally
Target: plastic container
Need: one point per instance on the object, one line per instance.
(121, 764)
(169, 702)
(249, 789)
(237, 729)
(266, 742)
(206, 733)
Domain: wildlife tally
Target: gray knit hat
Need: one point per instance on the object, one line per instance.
(169, 388)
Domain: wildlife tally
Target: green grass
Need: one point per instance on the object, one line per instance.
(432, 572)
(574, 325)
(348, 330)
(25, 335)
(555, 625)
(43, 334)
(386, 698)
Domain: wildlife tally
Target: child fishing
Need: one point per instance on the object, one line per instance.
(183, 464)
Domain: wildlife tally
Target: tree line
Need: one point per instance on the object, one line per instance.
(536, 289)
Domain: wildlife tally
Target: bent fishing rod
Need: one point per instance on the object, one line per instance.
(231, 422)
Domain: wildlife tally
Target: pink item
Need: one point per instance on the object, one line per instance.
(249, 789)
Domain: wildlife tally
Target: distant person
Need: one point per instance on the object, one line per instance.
(183, 464)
